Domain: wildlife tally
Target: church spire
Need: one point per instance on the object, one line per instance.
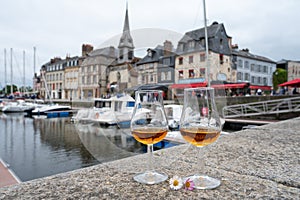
(126, 46)
(126, 22)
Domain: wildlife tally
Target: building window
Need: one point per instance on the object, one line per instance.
(166, 61)
(202, 71)
(265, 69)
(151, 78)
(130, 55)
(163, 76)
(191, 44)
(119, 76)
(259, 68)
(259, 80)
(121, 54)
(239, 76)
(180, 60)
(246, 76)
(265, 81)
(240, 63)
(252, 67)
(221, 57)
(169, 75)
(221, 43)
(151, 66)
(180, 73)
(246, 65)
(191, 59)
(202, 57)
(88, 79)
(191, 73)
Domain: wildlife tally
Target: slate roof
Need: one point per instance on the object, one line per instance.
(215, 32)
(197, 34)
(106, 51)
(247, 54)
(157, 52)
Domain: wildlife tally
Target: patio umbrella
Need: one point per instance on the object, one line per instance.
(292, 83)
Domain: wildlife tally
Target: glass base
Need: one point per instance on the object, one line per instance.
(203, 182)
(150, 177)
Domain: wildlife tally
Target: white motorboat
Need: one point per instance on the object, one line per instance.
(173, 112)
(18, 106)
(108, 111)
(43, 110)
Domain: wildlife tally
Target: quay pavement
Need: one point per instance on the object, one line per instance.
(257, 163)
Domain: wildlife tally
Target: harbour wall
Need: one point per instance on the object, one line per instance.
(258, 163)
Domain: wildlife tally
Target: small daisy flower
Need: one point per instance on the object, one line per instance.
(189, 184)
(176, 183)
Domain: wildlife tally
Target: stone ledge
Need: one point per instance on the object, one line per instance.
(260, 163)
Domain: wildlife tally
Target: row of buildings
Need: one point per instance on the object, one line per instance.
(100, 72)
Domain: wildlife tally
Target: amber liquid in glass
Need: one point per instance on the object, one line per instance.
(200, 136)
(149, 135)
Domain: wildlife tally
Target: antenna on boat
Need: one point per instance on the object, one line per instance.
(206, 47)
(5, 78)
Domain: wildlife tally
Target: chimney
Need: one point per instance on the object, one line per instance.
(246, 50)
(86, 48)
(168, 48)
(235, 46)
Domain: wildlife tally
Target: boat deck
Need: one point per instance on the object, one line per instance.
(7, 177)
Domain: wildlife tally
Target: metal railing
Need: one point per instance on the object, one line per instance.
(262, 108)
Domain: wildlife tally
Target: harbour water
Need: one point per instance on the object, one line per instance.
(37, 147)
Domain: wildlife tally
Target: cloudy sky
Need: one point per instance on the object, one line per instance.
(59, 27)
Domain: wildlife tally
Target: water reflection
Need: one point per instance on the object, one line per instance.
(36, 148)
(108, 143)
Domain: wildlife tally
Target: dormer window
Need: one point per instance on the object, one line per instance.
(149, 53)
(191, 44)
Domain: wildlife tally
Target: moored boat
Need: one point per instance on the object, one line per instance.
(173, 112)
(18, 106)
(43, 110)
(108, 111)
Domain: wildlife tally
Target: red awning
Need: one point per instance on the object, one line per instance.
(255, 87)
(229, 86)
(293, 83)
(188, 85)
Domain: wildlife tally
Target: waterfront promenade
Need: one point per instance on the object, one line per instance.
(258, 163)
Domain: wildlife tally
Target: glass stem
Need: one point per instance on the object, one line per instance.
(150, 157)
(201, 161)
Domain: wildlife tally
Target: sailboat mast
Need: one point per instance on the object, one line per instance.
(34, 74)
(5, 78)
(206, 47)
(11, 72)
(34, 50)
(23, 71)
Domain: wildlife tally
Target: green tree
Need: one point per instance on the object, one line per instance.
(279, 76)
(15, 88)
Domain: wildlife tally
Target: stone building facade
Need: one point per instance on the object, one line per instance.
(93, 72)
(292, 67)
(71, 86)
(254, 69)
(191, 64)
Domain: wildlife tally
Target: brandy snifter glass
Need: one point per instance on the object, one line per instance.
(200, 125)
(149, 126)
